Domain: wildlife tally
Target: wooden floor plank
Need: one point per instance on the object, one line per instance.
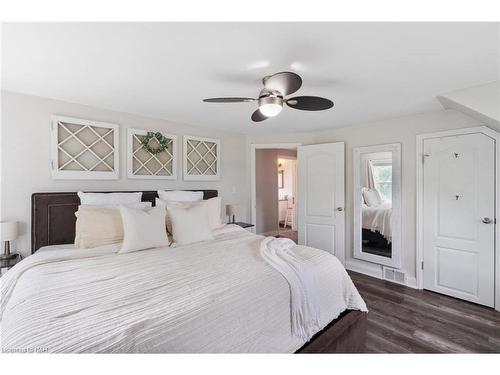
(406, 320)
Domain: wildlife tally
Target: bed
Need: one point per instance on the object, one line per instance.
(378, 219)
(217, 296)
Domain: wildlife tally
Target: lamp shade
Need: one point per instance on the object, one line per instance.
(8, 230)
(229, 210)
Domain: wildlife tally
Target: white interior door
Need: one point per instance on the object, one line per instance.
(459, 224)
(321, 197)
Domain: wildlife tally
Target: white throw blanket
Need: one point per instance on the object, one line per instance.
(216, 296)
(304, 304)
(379, 219)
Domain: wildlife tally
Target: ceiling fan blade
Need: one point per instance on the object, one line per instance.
(228, 100)
(309, 103)
(257, 116)
(284, 82)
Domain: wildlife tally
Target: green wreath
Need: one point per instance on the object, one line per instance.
(162, 145)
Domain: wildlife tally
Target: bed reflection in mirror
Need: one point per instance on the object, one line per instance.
(377, 203)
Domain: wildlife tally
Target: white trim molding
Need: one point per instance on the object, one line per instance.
(165, 167)
(420, 191)
(209, 155)
(374, 270)
(84, 149)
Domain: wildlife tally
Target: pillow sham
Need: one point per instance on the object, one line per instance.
(190, 224)
(100, 199)
(138, 206)
(143, 230)
(213, 206)
(168, 223)
(97, 226)
(372, 197)
(214, 211)
(180, 195)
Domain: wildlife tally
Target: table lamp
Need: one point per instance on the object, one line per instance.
(8, 232)
(230, 213)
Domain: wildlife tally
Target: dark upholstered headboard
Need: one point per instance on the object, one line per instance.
(53, 216)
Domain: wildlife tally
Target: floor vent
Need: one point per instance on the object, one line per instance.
(396, 276)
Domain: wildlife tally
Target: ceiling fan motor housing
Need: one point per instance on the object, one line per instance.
(276, 100)
(271, 105)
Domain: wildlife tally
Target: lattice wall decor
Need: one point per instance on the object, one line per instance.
(201, 158)
(84, 149)
(143, 164)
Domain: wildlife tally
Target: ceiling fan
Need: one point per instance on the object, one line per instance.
(272, 97)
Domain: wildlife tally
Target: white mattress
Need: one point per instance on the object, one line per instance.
(215, 296)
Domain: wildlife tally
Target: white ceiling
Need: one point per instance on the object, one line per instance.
(164, 70)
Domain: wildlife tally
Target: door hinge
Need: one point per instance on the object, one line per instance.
(425, 156)
(422, 264)
(52, 164)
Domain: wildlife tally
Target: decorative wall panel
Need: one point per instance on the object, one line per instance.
(147, 165)
(201, 158)
(84, 149)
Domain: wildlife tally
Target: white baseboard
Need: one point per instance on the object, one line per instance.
(370, 269)
(374, 270)
(411, 282)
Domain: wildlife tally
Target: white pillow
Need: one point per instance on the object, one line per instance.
(180, 195)
(100, 199)
(138, 206)
(372, 197)
(100, 225)
(168, 223)
(213, 206)
(97, 226)
(143, 230)
(214, 211)
(190, 224)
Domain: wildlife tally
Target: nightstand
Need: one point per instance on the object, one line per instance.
(9, 263)
(247, 226)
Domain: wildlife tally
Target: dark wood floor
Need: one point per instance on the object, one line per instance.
(406, 320)
(289, 233)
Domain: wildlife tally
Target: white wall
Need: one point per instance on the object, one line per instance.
(288, 167)
(25, 156)
(403, 130)
(482, 102)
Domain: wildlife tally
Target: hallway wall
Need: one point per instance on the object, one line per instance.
(266, 188)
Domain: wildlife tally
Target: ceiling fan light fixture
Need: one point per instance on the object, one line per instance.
(270, 106)
(271, 98)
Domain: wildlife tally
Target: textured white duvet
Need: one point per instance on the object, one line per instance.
(215, 296)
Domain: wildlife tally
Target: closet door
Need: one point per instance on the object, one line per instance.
(459, 223)
(321, 197)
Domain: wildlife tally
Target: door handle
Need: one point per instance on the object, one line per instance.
(487, 220)
(340, 209)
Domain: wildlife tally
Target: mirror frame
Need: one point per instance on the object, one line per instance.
(395, 260)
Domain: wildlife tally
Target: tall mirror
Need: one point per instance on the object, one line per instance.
(377, 204)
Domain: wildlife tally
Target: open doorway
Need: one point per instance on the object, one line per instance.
(274, 190)
(287, 195)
